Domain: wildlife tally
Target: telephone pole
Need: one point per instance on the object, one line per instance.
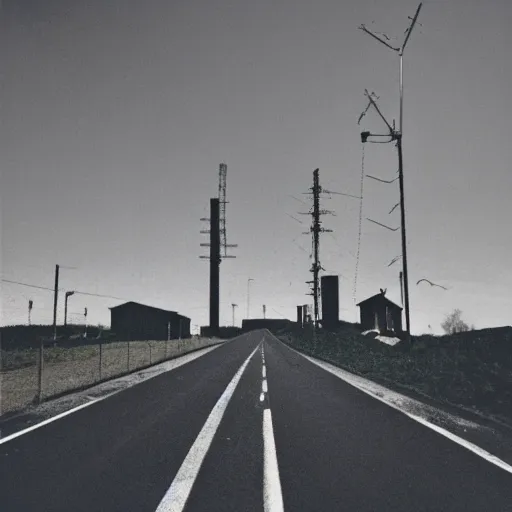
(234, 306)
(30, 305)
(55, 300)
(66, 297)
(249, 280)
(315, 230)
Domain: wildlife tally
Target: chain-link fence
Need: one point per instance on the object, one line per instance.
(31, 375)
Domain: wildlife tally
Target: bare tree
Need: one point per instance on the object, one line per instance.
(453, 323)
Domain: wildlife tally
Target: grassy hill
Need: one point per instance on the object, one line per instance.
(471, 369)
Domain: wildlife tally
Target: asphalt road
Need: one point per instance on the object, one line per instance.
(198, 434)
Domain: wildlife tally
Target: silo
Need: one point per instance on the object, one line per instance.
(330, 301)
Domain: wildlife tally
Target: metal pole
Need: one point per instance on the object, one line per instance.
(101, 357)
(66, 310)
(40, 371)
(401, 79)
(404, 240)
(55, 298)
(249, 296)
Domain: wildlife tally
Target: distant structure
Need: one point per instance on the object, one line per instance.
(300, 309)
(265, 323)
(378, 312)
(330, 301)
(134, 321)
(218, 246)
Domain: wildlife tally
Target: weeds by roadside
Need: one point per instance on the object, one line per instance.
(472, 369)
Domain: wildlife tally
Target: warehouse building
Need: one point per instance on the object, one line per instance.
(134, 321)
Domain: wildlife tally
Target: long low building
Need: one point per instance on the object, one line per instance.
(134, 321)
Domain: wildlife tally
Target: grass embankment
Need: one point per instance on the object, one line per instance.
(472, 369)
(67, 369)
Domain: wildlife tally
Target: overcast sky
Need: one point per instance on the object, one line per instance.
(116, 115)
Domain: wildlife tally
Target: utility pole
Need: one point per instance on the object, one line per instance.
(85, 319)
(264, 311)
(233, 306)
(315, 229)
(30, 305)
(55, 299)
(397, 135)
(249, 296)
(66, 297)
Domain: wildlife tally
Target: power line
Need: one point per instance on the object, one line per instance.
(62, 290)
(28, 285)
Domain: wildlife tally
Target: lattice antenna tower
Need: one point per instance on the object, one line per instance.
(223, 171)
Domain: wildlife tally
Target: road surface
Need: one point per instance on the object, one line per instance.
(249, 426)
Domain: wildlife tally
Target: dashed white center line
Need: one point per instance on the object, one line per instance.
(272, 495)
(177, 495)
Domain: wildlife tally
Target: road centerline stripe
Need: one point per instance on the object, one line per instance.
(176, 497)
(272, 495)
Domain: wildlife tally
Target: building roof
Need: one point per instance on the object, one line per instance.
(377, 297)
(146, 307)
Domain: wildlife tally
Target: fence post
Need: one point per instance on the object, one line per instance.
(101, 356)
(150, 360)
(40, 371)
(128, 356)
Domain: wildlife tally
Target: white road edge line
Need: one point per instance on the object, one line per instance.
(272, 495)
(175, 499)
(264, 386)
(192, 357)
(264, 371)
(338, 372)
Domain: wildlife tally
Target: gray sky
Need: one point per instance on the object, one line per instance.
(116, 115)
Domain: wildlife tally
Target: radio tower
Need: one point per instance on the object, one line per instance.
(218, 246)
(315, 230)
(223, 171)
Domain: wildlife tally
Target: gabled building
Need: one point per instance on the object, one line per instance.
(378, 312)
(134, 321)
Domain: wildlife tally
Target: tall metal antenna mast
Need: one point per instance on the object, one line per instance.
(397, 135)
(223, 170)
(217, 232)
(315, 230)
